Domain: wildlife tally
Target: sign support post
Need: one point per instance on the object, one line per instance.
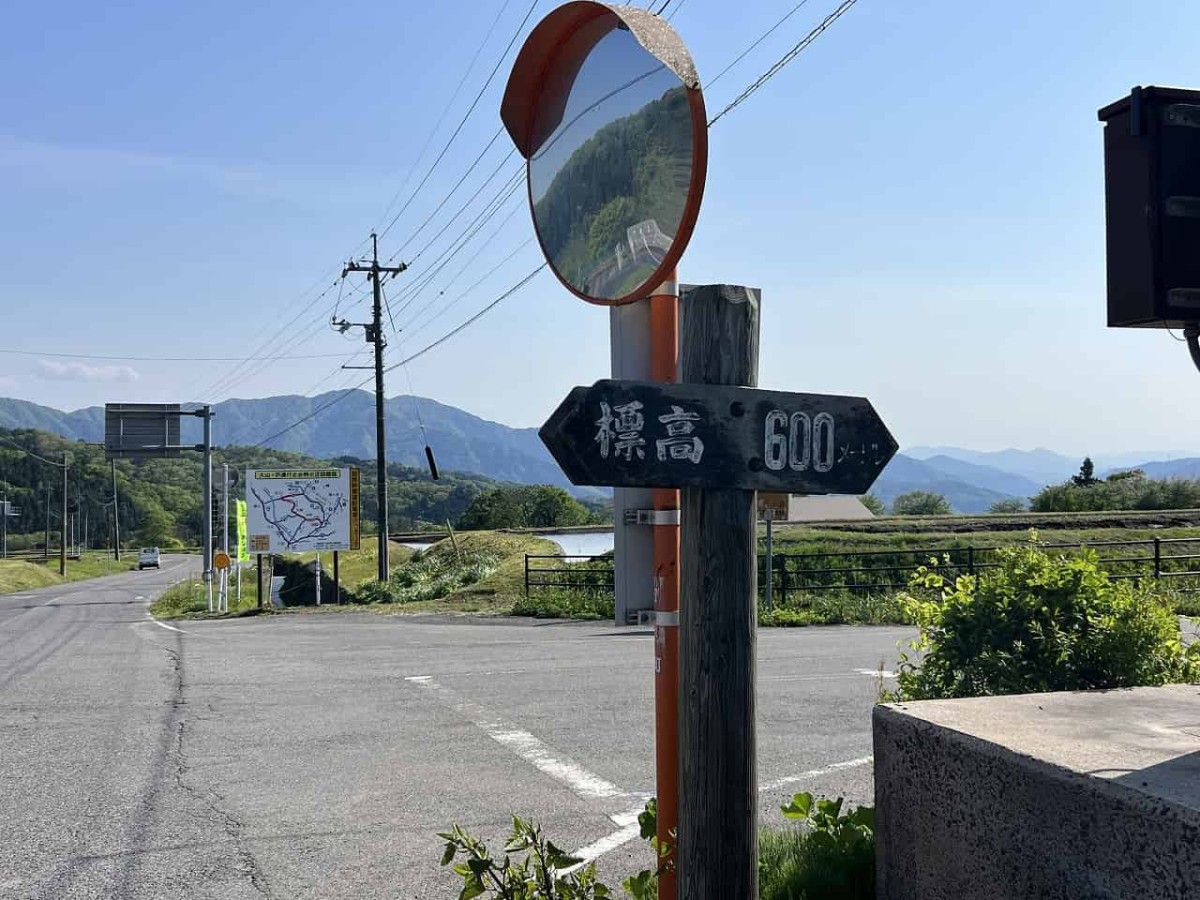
(258, 574)
(116, 516)
(337, 579)
(718, 796)
(664, 365)
(206, 414)
(62, 533)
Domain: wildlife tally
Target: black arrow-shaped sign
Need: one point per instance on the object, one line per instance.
(641, 434)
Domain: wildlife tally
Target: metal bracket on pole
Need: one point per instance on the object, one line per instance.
(652, 517)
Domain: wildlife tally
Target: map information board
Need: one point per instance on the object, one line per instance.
(302, 510)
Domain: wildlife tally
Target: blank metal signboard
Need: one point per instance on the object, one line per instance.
(642, 434)
(141, 430)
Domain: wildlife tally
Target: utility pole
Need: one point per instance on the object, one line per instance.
(4, 525)
(46, 547)
(116, 516)
(62, 534)
(374, 335)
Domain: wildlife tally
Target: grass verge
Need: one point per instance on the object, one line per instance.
(25, 575)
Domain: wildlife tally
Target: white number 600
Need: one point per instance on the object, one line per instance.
(798, 441)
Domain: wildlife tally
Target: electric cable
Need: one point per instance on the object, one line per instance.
(784, 60)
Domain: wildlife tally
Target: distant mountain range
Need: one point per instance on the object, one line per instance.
(971, 480)
(460, 441)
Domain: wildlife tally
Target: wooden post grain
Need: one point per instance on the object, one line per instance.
(718, 792)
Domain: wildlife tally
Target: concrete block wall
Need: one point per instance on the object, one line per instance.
(1075, 796)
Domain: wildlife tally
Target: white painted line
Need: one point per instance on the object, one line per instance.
(531, 749)
(875, 673)
(607, 844)
(630, 816)
(168, 627)
(816, 773)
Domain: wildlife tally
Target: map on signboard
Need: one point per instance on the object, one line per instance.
(302, 510)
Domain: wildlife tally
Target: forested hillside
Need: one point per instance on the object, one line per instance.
(160, 502)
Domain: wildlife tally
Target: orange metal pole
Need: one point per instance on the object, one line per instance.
(664, 361)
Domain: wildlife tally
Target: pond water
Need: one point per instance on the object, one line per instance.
(592, 544)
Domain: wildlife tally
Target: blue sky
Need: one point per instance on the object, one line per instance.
(920, 196)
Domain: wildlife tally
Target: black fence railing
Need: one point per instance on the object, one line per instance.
(794, 575)
(571, 573)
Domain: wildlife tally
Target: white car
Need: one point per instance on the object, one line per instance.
(148, 558)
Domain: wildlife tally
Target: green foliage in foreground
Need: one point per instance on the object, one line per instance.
(833, 858)
(535, 876)
(1040, 622)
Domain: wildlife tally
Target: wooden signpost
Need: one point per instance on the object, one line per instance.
(642, 434)
(721, 440)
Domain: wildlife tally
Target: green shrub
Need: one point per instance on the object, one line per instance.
(428, 577)
(833, 858)
(565, 603)
(1039, 622)
(838, 607)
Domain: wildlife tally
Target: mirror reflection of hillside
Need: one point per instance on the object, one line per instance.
(610, 183)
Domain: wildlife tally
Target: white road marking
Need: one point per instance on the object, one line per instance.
(876, 673)
(606, 844)
(816, 773)
(531, 749)
(581, 782)
(162, 624)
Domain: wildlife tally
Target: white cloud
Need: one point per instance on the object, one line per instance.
(73, 370)
(7, 383)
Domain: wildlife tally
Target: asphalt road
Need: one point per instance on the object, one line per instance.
(314, 756)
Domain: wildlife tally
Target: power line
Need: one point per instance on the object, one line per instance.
(762, 37)
(178, 359)
(475, 318)
(412, 324)
(462, 121)
(478, 191)
(14, 445)
(485, 216)
(787, 58)
(446, 109)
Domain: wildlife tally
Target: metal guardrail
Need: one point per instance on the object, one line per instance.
(868, 571)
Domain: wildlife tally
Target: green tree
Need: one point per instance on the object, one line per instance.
(1087, 471)
(874, 504)
(1007, 507)
(545, 506)
(608, 228)
(921, 503)
(491, 510)
(155, 527)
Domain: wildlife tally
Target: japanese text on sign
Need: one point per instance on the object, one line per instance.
(620, 432)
